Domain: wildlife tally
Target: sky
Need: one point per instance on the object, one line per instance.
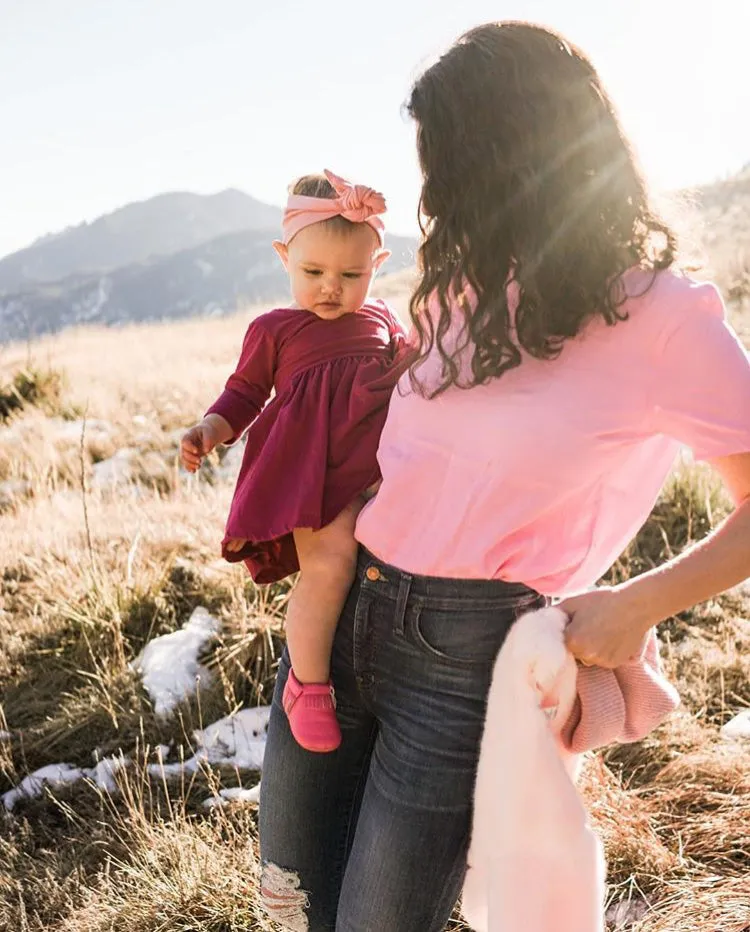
(104, 102)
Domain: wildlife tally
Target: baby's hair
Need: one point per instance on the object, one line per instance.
(320, 186)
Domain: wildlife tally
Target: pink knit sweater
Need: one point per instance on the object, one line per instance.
(534, 864)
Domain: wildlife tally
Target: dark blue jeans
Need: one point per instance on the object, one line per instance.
(373, 837)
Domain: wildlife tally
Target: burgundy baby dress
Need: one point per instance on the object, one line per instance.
(312, 449)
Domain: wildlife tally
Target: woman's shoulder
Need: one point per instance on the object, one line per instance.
(659, 304)
(669, 295)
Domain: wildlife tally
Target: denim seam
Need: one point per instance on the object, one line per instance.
(350, 824)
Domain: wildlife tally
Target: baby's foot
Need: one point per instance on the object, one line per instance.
(311, 710)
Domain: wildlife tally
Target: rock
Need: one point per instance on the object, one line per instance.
(626, 912)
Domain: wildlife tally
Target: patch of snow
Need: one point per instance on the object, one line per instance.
(90, 307)
(169, 664)
(32, 785)
(5, 735)
(117, 470)
(61, 774)
(237, 740)
(738, 727)
(233, 794)
(174, 770)
(104, 772)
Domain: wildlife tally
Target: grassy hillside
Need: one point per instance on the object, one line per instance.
(95, 563)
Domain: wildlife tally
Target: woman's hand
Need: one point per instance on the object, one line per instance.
(606, 627)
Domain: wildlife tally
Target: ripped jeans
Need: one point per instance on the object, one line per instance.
(373, 837)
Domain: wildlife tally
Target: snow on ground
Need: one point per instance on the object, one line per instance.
(237, 740)
(234, 794)
(170, 670)
(59, 774)
(738, 727)
(117, 470)
(169, 664)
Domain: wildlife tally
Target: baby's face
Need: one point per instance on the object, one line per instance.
(330, 271)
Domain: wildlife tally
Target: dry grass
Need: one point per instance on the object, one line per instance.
(88, 575)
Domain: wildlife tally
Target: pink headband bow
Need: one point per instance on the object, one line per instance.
(354, 202)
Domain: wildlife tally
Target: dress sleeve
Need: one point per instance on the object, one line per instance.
(398, 335)
(251, 383)
(702, 381)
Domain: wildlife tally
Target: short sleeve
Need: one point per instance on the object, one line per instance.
(251, 383)
(702, 380)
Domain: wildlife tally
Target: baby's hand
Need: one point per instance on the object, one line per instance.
(235, 544)
(196, 444)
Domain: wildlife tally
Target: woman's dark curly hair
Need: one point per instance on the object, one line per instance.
(527, 174)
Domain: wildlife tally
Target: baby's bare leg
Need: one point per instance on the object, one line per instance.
(327, 560)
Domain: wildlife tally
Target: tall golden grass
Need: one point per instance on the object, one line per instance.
(89, 574)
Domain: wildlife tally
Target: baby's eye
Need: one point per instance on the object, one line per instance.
(352, 275)
(314, 272)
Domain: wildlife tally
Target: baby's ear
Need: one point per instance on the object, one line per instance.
(379, 258)
(282, 250)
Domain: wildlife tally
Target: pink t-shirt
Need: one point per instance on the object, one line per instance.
(544, 475)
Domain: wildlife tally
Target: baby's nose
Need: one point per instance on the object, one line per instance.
(332, 285)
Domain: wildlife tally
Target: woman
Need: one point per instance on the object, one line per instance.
(561, 365)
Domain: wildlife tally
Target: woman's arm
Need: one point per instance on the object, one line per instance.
(608, 625)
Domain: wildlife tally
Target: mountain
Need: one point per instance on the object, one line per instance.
(162, 225)
(180, 255)
(213, 278)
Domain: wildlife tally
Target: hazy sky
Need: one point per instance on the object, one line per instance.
(103, 102)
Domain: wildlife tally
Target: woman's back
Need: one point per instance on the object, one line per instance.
(544, 474)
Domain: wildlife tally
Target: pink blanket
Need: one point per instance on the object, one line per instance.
(534, 864)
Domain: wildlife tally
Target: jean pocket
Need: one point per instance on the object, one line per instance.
(462, 638)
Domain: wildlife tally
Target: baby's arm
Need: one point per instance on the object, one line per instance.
(246, 391)
(251, 383)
